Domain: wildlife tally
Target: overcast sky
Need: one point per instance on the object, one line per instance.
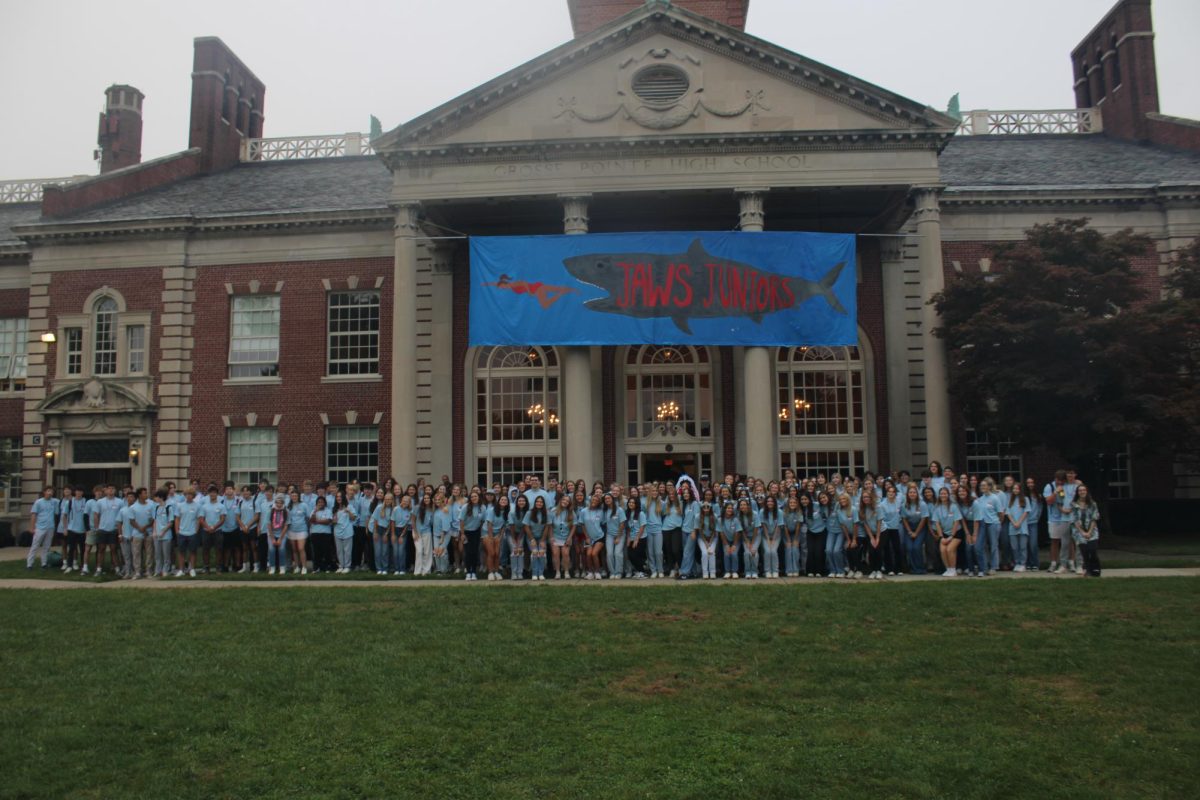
(329, 65)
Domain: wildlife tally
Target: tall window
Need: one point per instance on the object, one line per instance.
(993, 456)
(1120, 475)
(135, 348)
(104, 337)
(352, 453)
(516, 412)
(1116, 62)
(667, 385)
(14, 334)
(821, 412)
(254, 336)
(10, 475)
(353, 333)
(253, 455)
(74, 348)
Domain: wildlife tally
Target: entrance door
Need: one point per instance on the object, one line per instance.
(87, 478)
(667, 466)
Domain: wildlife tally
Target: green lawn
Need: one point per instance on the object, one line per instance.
(1081, 688)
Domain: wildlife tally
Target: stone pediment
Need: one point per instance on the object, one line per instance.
(96, 396)
(663, 71)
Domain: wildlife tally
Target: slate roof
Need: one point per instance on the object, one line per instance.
(1063, 160)
(344, 184)
(16, 214)
(326, 184)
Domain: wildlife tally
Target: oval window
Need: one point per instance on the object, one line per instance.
(660, 85)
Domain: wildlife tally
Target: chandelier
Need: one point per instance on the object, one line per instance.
(667, 411)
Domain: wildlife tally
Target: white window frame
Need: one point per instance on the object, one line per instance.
(351, 435)
(808, 454)
(73, 350)
(997, 458)
(1120, 480)
(10, 484)
(498, 456)
(270, 365)
(368, 367)
(112, 355)
(85, 322)
(244, 446)
(14, 353)
(140, 352)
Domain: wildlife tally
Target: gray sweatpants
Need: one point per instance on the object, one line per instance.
(162, 556)
(345, 552)
(41, 541)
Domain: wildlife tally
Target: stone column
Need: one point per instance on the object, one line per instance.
(576, 398)
(762, 460)
(404, 344)
(927, 216)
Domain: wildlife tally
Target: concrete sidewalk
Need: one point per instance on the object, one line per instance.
(268, 583)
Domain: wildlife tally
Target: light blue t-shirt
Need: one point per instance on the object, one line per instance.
(125, 515)
(672, 517)
(164, 519)
(443, 527)
(912, 515)
(231, 506)
(562, 520)
(322, 521)
(188, 515)
(381, 519)
(343, 524)
(1015, 510)
(425, 525)
(401, 517)
(889, 513)
(107, 509)
(45, 511)
(298, 518)
(143, 514)
(247, 514)
(263, 506)
(945, 517)
(77, 514)
(593, 523)
(211, 511)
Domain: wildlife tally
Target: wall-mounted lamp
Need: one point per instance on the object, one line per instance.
(49, 456)
(134, 454)
(49, 338)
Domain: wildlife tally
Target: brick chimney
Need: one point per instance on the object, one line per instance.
(588, 15)
(227, 104)
(1115, 71)
(120, 138)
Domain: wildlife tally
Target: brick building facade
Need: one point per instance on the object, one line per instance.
(218, 313)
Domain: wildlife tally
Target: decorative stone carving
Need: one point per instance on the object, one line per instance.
(666, 115)
(93, 394)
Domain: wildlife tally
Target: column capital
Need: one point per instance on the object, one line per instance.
(925, 203)
(408, 212)
(575, 212)
(751, 216)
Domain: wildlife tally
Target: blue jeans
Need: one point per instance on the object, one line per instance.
(1019, 542)
(505, 553)
(517, 562)
(277, 554)
(687, 564)
(793, 556)
(654, 550)
(751, 550)
(383, 553)
(973, 563)
(915, 549)
(989, 545)
(537, 564)
(614, 553)
(770, 556)
(731, 558)
(835, 552)
(399, 553)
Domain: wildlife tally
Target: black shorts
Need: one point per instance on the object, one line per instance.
(108, 537)
(250, 538)
(232, 539)
(188, 544)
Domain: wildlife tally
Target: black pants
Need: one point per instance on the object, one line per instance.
(874, 556)
(816, 554)
(1090, 551)
(324, 555)
(471, 552)
(637, 555)
(363, 550)
(890, 542)
(75, 547)
(856, 557)
(262, 552)
(672, 549)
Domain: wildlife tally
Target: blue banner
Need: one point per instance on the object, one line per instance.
(768, 288)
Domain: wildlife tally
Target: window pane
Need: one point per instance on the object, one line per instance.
(104, 341)
(74, 351)
(254, 336)
(991, 456)
(352, 453)
(253, 455)
(10, 483)
(135, 336)
(353, 333)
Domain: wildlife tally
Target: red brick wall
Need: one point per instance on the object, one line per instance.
(60, 200)
(1124, 105)
(217, 72)
(301, 398)
(1184, 134)
(588, 15)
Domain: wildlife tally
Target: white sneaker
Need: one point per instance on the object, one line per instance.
(255, 570)
(1019, 568)
(192, 573)
(304, 570)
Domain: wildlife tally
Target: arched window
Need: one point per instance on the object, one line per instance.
(104, 340)
(821, 409)
(1100, 90)
(667, 384)
(516, 413)
(1086, 86)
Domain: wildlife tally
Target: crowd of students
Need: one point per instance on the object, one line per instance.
(835, 526)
